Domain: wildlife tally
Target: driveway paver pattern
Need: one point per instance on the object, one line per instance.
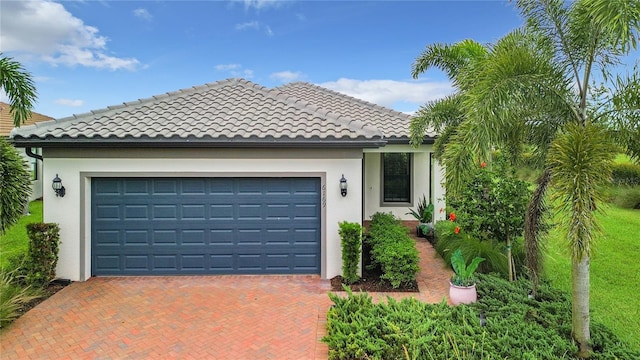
(191, 317)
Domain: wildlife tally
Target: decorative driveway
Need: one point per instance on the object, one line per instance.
(191, 317)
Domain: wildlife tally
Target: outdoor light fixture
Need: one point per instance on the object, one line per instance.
(57, 186)
(343, 186)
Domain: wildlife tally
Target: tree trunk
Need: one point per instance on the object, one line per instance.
(534, 230)
(580, 305)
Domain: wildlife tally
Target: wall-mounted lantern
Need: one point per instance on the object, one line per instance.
(343, 186)
(57, 186)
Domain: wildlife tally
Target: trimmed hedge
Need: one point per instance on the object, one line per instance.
(516, 327)
(44, 241)
(351, 236)
(393, 250)
(625, 174)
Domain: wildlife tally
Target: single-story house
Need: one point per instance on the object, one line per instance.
(6, 125)
(226, 178)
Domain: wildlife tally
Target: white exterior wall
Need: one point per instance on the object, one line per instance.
(420, 182)
(73, 212)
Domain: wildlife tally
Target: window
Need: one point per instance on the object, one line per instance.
(396, 177)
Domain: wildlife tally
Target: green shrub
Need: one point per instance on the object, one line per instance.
(14, 295)
(516, 327)
(351, 236)
(625, 174)
(626, 197)
(44, 240)
(393, 250)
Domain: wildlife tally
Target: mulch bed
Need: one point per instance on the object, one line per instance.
(51, 289)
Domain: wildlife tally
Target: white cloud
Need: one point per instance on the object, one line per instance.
(391, 93)
(248, 25)
(70, 102)
(301, 17)
(263, 4)
(143, 14)
(235, 70)
(47, 30)
(254, 25)
(287, 76)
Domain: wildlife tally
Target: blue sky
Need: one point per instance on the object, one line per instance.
(86, 55)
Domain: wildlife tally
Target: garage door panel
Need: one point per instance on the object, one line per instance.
(205, 226)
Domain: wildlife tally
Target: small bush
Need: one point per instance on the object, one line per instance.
(14, 295)
(516, 327)
(351, 236)
(44, 240)
(393, 250)
(494, 252)
(626, 197)
(625, 174)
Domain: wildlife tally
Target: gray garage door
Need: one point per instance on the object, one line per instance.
(162, 226)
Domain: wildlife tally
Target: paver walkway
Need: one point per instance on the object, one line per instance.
(190, 317)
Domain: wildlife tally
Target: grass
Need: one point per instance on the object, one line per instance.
(15, 240)
(615, 272)
(622, 158)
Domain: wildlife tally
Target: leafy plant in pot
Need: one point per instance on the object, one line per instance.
(462, 289)
(424, 214)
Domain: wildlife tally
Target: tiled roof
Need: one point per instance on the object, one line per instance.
(393, 124)
(232, 112)
(6, 119)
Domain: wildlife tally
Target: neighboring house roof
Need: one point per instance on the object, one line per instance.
(6, 119)
(232, 112)
(393, 124)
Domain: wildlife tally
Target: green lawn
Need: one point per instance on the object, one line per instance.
(615, 272)
(15, 240)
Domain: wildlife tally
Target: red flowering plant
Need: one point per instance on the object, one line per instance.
(491, 208)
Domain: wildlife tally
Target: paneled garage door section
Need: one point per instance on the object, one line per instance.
(164, 226)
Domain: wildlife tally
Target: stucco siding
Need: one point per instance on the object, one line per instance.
(72, 212)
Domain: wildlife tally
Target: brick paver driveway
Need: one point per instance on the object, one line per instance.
(192, 317)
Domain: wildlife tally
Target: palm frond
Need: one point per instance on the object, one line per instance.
(448, 58)
(19, 87)
(580, 163)
(436, 116)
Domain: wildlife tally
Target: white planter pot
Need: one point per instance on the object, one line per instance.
(462, 294)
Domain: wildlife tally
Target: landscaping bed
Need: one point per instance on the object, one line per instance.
(504, 324)
(372, 279)
(47, 292)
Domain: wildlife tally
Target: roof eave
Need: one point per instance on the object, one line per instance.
(198, 143)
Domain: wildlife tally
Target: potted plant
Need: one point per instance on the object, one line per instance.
(424, 214)
(462, 289)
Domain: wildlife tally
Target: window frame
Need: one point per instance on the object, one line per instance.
(408, 203)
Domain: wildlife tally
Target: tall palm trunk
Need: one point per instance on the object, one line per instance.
(580, 304)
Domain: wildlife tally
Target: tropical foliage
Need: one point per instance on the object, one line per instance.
(15, 185)
(555, 86)
(463, 273)
(17, 83)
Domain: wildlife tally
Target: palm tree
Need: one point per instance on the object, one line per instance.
(14, 177)
(552, 86)
(19, 87)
